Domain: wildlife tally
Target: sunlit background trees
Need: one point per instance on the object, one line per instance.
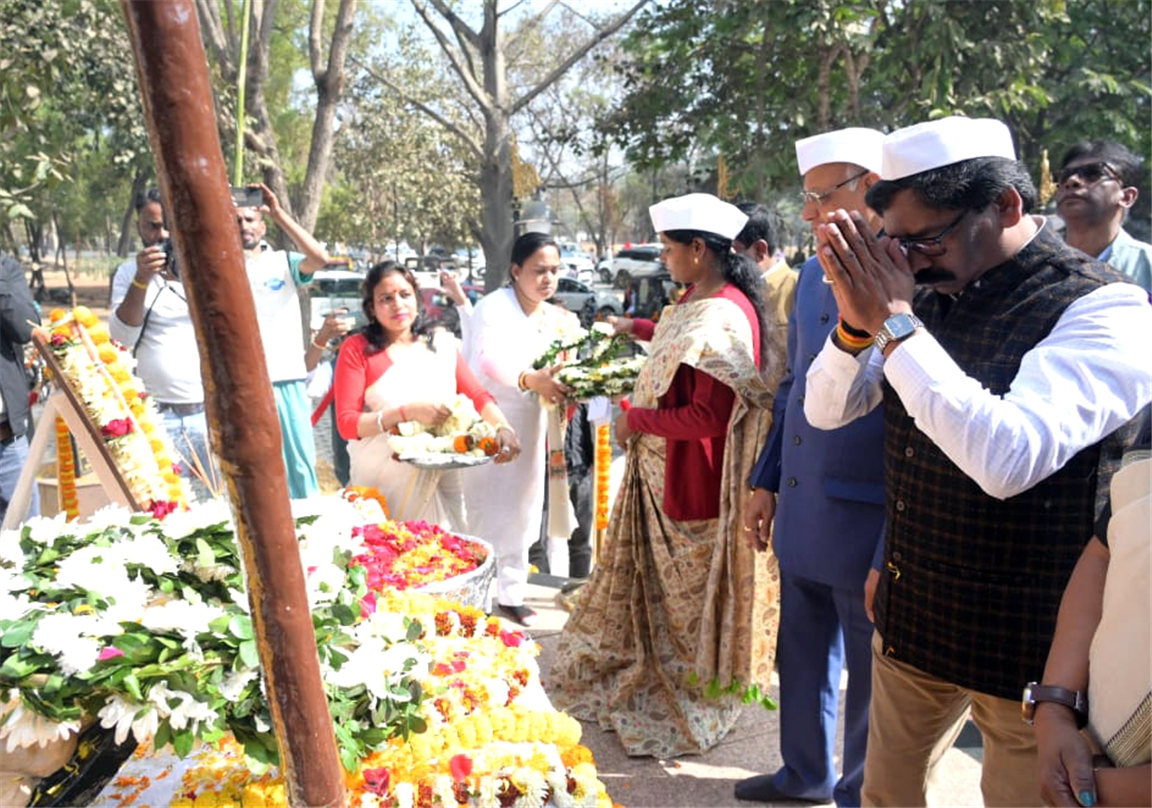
(428, 122)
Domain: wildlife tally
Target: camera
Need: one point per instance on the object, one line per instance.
(169, 250)
(248, 196)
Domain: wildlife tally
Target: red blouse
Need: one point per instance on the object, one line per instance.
(355, 373)
(693, 415)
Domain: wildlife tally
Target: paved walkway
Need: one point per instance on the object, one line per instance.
(708, 780)
(705, 780)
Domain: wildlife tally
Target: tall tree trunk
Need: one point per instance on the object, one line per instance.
(329, 80)
(139, 185)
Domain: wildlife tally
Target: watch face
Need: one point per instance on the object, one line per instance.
(1027, 705)
(900, 325)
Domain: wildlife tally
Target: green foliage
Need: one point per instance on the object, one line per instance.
(68, 105)
(747, 79)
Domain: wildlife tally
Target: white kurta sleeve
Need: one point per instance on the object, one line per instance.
(1083, 381)
(842, 387)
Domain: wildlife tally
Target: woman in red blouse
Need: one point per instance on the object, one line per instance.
(397, 369)
(681, 606)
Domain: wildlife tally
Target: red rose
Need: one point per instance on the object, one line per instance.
(460, 766)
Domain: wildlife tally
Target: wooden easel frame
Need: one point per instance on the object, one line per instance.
(64, 402)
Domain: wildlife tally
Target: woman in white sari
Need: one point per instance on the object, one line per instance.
(510, 328)
(394, 370)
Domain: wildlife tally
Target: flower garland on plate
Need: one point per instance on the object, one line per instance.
(100, 372)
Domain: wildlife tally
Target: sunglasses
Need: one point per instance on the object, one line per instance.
(816, 197)
(1089, 173)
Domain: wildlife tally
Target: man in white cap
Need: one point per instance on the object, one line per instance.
(825, 493)
(1011, 381)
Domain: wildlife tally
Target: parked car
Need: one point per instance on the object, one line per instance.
(635, 261)
(438, 307)
(332, 289)
(589, 303)
(576, 262)
(470, 261)
(647, 295)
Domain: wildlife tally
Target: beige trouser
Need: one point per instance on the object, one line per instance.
(915, 718)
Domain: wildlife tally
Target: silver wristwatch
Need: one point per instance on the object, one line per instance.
(896, 328)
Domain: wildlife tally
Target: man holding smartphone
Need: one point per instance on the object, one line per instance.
(275, 277)
(150, 316)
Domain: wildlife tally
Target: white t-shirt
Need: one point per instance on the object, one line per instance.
(275, 277)
(167, 354)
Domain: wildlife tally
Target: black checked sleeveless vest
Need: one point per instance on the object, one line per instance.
(972, 584)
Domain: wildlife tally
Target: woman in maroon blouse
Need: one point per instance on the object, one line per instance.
(680, 604)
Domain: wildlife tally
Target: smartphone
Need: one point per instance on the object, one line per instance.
(248, 196)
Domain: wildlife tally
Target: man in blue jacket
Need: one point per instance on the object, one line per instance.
(826, 492)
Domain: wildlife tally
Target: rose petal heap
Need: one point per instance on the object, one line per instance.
(400, 555)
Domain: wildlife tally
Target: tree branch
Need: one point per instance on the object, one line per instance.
(315, 49)
(209, 14)
(529, 24)
(599, 36)
(458, 25)
(473, 147)
(469, 78)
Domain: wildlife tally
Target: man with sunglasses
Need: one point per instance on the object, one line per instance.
(819, 497)
(1097, 186)
(1011, 379)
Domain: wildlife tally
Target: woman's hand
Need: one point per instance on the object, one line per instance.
(336, 324)
(427, 412)
(1063, 757)
(620, 325)
(509, 444)
(451, 286)
(622, 430)
(544, 384)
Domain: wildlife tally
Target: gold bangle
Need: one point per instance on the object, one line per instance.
(520, 381)
(503, 425)
(320, 345)
(138, 285)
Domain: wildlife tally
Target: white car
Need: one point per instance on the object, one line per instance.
(637, 261)
(576, 262)
(333, 289)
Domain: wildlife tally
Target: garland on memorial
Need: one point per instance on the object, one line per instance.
(143, 626)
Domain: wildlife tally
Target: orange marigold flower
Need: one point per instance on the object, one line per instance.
(99, 334)
(84, 316)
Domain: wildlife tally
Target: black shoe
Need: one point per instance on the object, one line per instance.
(762, 788)
(523, 615)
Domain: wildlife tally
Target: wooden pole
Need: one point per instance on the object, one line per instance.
(245, 434)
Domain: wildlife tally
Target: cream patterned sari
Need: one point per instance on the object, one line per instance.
(674, 605)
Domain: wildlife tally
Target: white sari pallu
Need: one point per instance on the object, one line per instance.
(1120, 695)
(419, 373)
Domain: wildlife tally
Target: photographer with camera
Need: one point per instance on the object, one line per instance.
(150, 316)
(275, 277)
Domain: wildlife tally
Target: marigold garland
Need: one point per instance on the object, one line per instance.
(98, 371)
(66, 471)
(603, 464)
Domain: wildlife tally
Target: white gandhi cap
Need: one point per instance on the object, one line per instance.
(856, 145)
(702, 212)
(935, 144)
